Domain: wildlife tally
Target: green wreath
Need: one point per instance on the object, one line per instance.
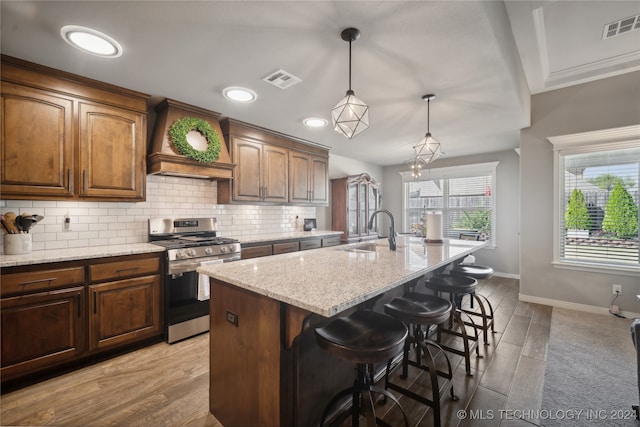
(178, 133)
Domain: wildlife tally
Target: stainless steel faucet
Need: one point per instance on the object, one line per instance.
(392, 229)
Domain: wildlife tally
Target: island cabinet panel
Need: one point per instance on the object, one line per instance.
(124, 311)
(37, 142)
(245, 357)
(41, 330)
(112, 151)
(68, 137)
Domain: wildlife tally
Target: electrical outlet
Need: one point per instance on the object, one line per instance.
(617, 290)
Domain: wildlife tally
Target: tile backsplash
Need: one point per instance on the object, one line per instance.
(117, 223)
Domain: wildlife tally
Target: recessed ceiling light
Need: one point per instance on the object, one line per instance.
(239, 94)
(314, 122)
(91, 41)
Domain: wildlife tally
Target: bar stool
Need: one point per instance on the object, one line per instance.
(478, 272)
(457, 287)
(364, 338)
(417, 311)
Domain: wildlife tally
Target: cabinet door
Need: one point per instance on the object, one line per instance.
(112, 149)
(352, 210)
(299, 177)
(276, 174)
(41, 330)
(37, 143)
(247, 155)
(372, 206)
(319, 177)
(124, 311)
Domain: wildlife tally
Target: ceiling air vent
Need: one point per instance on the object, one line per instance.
(620, 27)
(281, 79)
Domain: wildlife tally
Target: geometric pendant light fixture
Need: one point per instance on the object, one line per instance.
(428, 149)
(351, 115)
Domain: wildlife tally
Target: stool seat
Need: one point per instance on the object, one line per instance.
(451, 284)
(472, 270)
(419, 308)
(363, 337)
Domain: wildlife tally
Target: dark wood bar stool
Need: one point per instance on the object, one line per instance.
(364, 338)
(457, 287)
(478, 272)
(419, 312)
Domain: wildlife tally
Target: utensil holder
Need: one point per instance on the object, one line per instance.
(17, 244)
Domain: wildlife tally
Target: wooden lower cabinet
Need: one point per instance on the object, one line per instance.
(124, 311)
(257, 251)
(62, 313)
(40, 330)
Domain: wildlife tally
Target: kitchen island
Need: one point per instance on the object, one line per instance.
(265, 367)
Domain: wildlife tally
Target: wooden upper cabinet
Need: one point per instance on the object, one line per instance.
(68, 137)
(112, 150)
(276, 174)
(308, 178)
(273, 168)
(37, 142)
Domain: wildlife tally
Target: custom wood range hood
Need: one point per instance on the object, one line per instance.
(165, 159)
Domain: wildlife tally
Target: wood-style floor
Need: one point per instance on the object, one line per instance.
(168, 385)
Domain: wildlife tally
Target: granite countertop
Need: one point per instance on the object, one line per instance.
(56, 255)
(329, 280)
(271, 237)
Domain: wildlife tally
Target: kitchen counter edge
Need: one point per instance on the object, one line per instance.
(59, 255)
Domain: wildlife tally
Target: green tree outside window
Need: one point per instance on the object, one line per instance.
(621, 213)
(576, 216)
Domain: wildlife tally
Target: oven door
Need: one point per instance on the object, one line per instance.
(185, 314)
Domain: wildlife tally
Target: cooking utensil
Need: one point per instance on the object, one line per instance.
(4, 229)
(9, 222)
(26, 221)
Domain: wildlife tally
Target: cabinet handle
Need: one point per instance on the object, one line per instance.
(50, 279)
(79, 305)
(95, 303)
(69, 180)
(84, 180)
(122, 270)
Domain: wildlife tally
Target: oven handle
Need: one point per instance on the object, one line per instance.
(188, 265)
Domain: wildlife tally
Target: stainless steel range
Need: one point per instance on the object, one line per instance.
(190, 242)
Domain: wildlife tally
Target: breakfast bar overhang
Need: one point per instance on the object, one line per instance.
(265, 367)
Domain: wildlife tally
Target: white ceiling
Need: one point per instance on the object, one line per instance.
(482, 59)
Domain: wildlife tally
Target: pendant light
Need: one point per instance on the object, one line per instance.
(350, 116)
(428, 149)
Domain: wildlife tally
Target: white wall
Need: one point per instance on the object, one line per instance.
(504, 258)
(604, 104)
(116, 223)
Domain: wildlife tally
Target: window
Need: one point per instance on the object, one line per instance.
(597, 199)
(464, 195)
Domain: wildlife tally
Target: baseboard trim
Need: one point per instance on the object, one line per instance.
(507, 275)
(572, 305)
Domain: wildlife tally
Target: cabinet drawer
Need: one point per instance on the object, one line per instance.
(42, 280)
(330, 241)
(310, 244)
(123, 268)
(256, 251)
(283, 248)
